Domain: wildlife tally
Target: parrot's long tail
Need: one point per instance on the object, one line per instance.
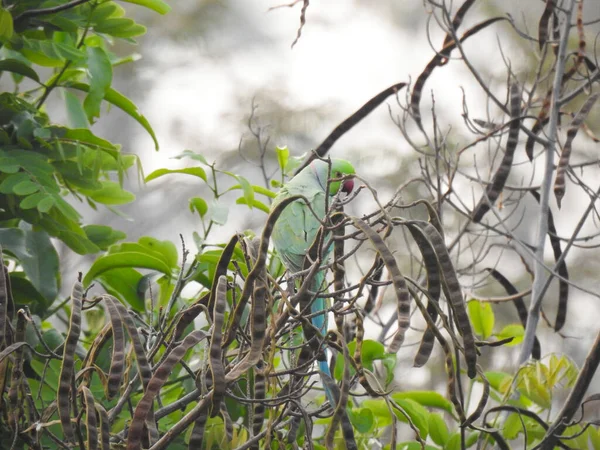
(320, 322)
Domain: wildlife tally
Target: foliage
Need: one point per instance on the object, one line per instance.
(215, 350)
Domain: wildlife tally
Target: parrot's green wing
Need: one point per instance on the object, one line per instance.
(296, 229)
(297, 226)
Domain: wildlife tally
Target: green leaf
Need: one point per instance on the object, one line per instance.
(75, 112)
(123, 283)
(515, 331)
(46, 204)
(430, 399)
(26, 187)
(371, 351)
(362, 419)
(255, 204)
(16, 66)
(120, 27)
(499, 381)
(438, 430)
(166, 248)
(83, 136)
(6, 25)
(32, 201)
(454, 442)
(125, 260)
(103, 236)
(512, 427)
(417, 413)
(283, 155)
(105, 10)
(194, 171)
(9, 183)
(111, 193)
(198, 204)
(100, 75)
(482, 318)
(247, 189)
(37, 256)
(155, 5)
(123, 103)
(257, 190)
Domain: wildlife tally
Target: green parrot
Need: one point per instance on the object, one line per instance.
(296, 229)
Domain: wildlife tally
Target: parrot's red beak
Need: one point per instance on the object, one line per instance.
(348, 186)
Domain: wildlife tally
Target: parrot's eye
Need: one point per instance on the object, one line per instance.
(338, 174)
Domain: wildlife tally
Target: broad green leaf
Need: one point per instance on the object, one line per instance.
(69, 231)
(283, 155)
(254, 204)
(500, 381)
(6, 25)
(67, 51)
(100, 75)
(26, 187)
(430, 399)
(111, 193)
(84, 136)
(512, 427)
(389, 363)
(105, 10)
(16, 66)
(417, 413)
(371, 351)
(515, 331)
(247, 189)
(198, 204)
(257, 190)
(120, 27)
(8, 184)
(123, 284)
(594, 435)
(67, 210)
(194, 171)
(438, 430)
(125, 260)
(46, 204)
(75, 112)
(36, 255)
(533, 389)
(159, 6)
(103, 236)
(166, 248)
(33, 200)
(482, 318)
(362, 419)
(9, 164)
(123, 103)
(454, 442)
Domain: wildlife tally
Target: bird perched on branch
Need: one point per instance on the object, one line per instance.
(297, 227)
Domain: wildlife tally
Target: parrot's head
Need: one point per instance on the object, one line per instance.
(340, 168)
